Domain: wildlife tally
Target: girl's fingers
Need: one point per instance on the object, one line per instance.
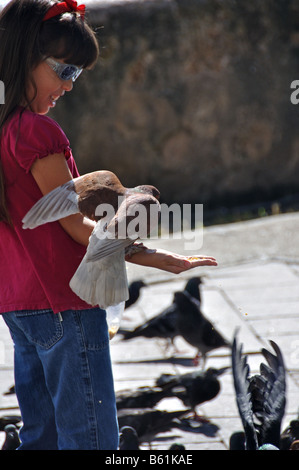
(194, 261)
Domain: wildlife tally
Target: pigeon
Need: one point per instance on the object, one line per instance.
(195, 328)
(142, 397)
(177, 446)
(9, 419)
(12, 440)
(193, 287)
(134, 292)
(193, 388)
(289, 434)
(295, 445)
(261, 398)
(237, 441)
(268, 447)
(164, 325)
(101, 277)
(148, 422)
(10, 391)
(128, 439)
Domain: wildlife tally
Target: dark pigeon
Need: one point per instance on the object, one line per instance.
(9, 419)
(12, 440)
(134, 292)
(142, 397)
(128, 439)
(261, 398)
(10, 391)
(193, 388)
(148, 422)
(164, 325)
(289, 434)
(195, 328)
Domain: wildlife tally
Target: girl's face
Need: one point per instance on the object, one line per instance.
(49, 88)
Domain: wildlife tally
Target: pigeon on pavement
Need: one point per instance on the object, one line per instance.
(195, 328)
(9, 419)
(261, 398)
(10, 391)
(12, 440)
(148, 422)
(134, 292)
(193, 388)
(128, 439)
(164, 325)
(142, 397)
(237, 441)
(289, 434)
(101, 277)
(177, 446)
(295, 445)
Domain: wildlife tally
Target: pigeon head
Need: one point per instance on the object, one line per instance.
(194, 281)
(185, 300)
(192, 287)
(294, 425)
(212, 372)
(138, 284)
(128, 438)
(177, 446)
(148, 189)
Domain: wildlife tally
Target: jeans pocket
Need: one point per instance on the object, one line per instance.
(41, 327)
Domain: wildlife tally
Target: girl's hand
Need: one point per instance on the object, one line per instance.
(170, 262)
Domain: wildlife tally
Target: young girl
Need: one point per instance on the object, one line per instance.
(63, 375)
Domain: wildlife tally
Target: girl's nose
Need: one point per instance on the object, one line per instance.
(67, 85)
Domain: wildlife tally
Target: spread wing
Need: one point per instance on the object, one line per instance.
(55, 205)
(273, 396)
(240, 369)
(261, 399)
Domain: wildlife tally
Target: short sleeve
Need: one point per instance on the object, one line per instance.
(37, 137)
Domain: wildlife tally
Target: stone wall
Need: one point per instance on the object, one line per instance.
(192, 96)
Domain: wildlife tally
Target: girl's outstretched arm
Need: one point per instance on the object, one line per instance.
(168, 261)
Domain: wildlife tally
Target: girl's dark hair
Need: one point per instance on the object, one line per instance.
(25, 41)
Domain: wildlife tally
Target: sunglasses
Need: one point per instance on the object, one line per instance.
(64, 71)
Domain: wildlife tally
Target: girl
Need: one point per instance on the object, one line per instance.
(63, 376)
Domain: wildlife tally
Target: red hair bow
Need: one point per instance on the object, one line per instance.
(63, 7)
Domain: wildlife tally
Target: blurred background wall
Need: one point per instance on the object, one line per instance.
(192, 96)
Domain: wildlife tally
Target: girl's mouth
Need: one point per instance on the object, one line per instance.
(54, 98)
(53, 101)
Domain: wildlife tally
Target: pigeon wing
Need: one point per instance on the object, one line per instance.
(240, 369)
(274, 395)
(101, 244)
(59, 203)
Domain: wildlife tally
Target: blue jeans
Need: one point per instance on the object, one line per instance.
(63, 380)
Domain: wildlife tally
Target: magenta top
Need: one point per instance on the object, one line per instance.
(35, 265)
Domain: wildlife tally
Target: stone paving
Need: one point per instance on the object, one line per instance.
(254, 287)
